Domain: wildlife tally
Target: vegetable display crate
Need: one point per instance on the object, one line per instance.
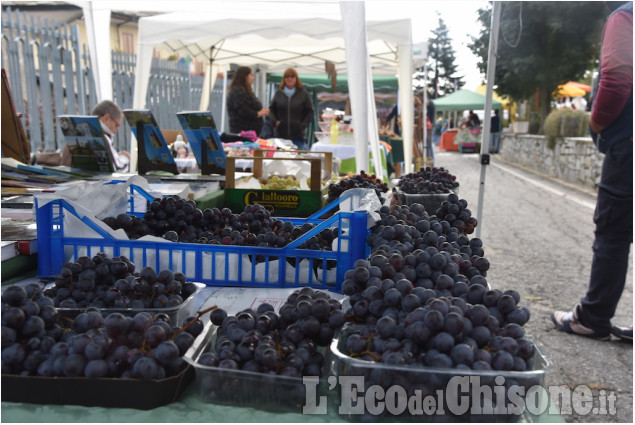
(235, 387)
(213, 265)
(449, 389)
(283, 203)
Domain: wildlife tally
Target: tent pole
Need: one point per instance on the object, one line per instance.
(424, 114)
(487, 121)
(211, 77)
(224, 106)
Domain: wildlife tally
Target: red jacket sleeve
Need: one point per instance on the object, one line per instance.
(616, 79)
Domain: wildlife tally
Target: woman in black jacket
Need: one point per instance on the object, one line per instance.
(291, 110)
(243, 107)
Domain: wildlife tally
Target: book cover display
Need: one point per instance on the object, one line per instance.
(200, 130)
(154, 154)
(86, 142)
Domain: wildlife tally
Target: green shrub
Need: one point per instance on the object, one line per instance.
(565, 122)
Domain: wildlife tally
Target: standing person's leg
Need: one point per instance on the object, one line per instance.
(613, 237)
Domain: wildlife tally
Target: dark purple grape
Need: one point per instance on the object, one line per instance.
(462, 354)
(155, 335)
(145, 368)
(74, 365)
(14, 295)
(443, 342)
(506, 304)
(13, 317)
(166, 352)
(96, 369)
(526, 348)
(502, 360)
(387, 327)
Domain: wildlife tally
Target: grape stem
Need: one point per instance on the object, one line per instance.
(191, 322)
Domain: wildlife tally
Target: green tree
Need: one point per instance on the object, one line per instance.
(541, 45)
(440, 63)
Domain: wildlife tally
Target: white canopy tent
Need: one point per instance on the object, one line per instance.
(258, 36)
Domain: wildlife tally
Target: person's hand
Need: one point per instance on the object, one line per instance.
(595, 127)
(263, 112)
(125, 153)
(277, 123)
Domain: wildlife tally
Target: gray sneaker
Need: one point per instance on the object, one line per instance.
(567, 321)
(625, 334)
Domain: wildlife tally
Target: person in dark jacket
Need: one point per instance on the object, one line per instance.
(611, 127)
(243, 107)
(291, 110)
(473, 121)
(495, 133)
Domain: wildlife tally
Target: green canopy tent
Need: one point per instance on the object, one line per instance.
(464, 100)
(381, 83)
(322, 83)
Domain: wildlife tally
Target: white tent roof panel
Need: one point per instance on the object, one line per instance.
(277, 44)
(316, 33)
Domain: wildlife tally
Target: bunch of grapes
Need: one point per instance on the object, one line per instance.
(170, 213)
(29, 322)
(428, 180)
(285, 343)
(34, 344)
(280, 183)
(105, 282)
(404, 229)
(444, 333)
(455, 212)
(178, 220)
(361, 180)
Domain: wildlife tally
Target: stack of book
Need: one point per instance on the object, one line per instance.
(19, 248)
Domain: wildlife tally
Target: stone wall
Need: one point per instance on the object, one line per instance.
(574, 159)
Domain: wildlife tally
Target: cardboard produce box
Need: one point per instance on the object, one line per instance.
(284, 203)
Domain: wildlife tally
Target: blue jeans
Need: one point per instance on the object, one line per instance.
(301, 144)
(494, 142)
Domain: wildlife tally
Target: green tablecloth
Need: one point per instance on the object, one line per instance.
(189, 409)
(397, 149)
(396, 153)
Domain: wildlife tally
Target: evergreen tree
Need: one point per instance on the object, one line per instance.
(440, 63)
(541, 45)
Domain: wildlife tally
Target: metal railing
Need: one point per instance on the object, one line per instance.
(50, 74)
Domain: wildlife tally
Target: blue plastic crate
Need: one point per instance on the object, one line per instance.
(213, 265)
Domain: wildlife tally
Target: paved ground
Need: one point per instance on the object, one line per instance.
(537, 234)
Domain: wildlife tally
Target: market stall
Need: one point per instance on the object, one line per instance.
(260, 38)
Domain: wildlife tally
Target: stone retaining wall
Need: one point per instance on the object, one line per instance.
(574, 159)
